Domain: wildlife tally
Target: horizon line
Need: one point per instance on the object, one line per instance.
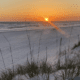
(41, 21)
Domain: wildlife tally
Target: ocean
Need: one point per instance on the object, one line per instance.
(11, 25)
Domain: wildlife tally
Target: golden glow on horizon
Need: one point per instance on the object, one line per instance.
(46, 19)
(57, 28)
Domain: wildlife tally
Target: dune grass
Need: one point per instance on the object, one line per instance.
(76, 45)
(31, 69)
(69, 69)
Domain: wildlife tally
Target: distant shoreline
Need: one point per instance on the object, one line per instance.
(32, 21)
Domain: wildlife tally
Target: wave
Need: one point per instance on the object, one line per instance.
(14, 26)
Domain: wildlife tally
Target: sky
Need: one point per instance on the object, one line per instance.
(37, 10)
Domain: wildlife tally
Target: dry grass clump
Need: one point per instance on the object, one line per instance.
(7, 75)
(76, 45)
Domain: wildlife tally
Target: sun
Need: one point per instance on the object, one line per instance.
(46, 19)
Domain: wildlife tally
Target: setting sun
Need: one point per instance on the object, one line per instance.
(46, 19)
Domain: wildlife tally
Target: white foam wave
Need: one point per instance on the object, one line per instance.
(24, 28)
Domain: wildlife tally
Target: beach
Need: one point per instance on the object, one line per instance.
(40, 38)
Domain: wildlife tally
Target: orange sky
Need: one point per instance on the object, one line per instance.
(37, 10)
